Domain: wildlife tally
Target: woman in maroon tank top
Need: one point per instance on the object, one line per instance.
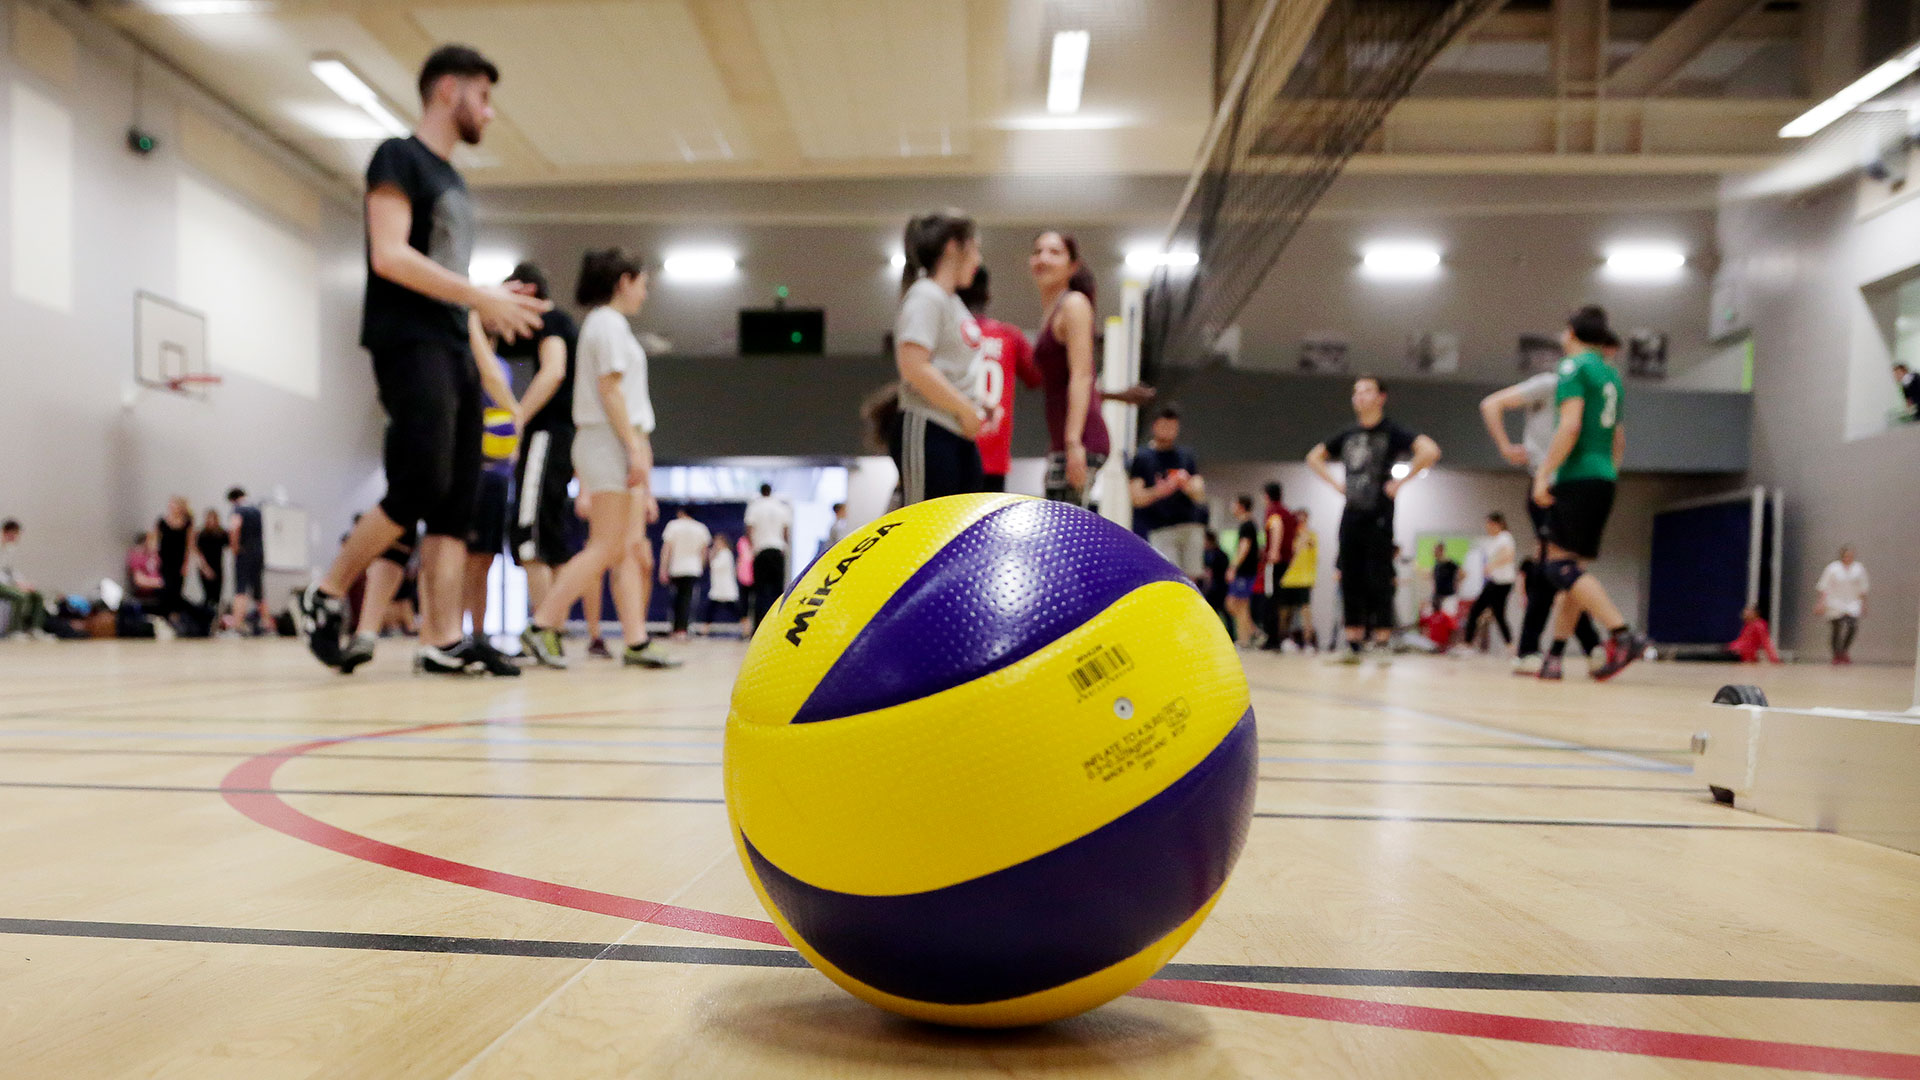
(1078, 443)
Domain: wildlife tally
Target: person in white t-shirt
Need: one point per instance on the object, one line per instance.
(1843, 600)
(1502, 568)
(943, 372)
(723, 584)
(613, 456)
(770, 531)
(683, 558)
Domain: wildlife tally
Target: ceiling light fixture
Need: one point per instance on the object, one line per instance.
(1145, 259)
(1400, 261)
(1853, 95)
(1645, 262)
(491, 267)
(208, 7)
(1068, 72)
(699, 266)
(354, 90)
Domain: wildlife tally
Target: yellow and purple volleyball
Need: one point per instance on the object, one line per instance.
(990, 761)
(498, 442)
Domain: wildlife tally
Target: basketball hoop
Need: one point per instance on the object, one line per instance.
(182, 384)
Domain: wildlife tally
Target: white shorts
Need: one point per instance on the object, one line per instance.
(600, 457)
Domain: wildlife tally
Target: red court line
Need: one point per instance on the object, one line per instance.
(248, 789)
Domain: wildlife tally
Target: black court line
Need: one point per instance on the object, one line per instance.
(507, 795)
(785, 958)
(1479, 784)
(1683, 751)
(1423, 819)
(536, 797)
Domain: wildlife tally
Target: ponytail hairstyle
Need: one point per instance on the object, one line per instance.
(1082, 279)
(600, 273)
(926, 240)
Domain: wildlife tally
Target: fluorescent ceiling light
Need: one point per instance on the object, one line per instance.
(1076, 122)
(208, 7)
(1645, 262)
(1148, 259)
(491, 267)
(354, 90)
(699, 266)
(1068, 73)
(1398, 261)
(1853, 95)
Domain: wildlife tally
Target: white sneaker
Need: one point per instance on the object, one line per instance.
(1527, 665)
(1288, 648)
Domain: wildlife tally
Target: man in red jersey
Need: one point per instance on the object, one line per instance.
(1009, 356)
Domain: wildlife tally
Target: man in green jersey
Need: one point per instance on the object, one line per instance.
(1575, 484)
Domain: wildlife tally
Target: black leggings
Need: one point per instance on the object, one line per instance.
(1366, 571)
(1492, 600)
(683, 602)
(769, 581)
(1844, 628)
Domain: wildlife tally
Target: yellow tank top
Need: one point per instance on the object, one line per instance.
(1306, 560)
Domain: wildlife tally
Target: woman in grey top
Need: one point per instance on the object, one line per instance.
(943, 405)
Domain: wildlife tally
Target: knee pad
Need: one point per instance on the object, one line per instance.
(1561, 573)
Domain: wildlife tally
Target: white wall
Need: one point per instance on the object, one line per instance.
(90, 458)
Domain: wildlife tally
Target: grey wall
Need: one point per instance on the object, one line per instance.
(1807, 258)
(90, 459)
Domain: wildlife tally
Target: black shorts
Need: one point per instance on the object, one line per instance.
(538, 530)
(993, 482)
(250, 574)
(1366, 570)
(1579, 515)
(933, 461)
(487, 534)
(1294, 596)
(431, 393)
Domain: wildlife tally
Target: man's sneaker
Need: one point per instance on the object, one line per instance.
(357, 652)
(647, 655)
(323, 618)
(597, 648)
(1622, 649)
(1527, 666)
(544, 646)
(492, 660)
(1550, 668)
(455, 659)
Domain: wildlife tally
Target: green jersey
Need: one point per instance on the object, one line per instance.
(1592, 380)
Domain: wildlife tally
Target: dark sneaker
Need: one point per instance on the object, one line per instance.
(357, 652)
(647, 655)
(1622, 649)
(323, 618)
(454, 660)
(597, 648)
(544, 646)
(492, 660)
(1550, 668)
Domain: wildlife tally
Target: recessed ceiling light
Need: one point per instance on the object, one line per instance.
(1075, 122)
(1853, 95)
(354, 90)
(1645, 262)
(1068, 72)
(491, 267)
(1147, 258)
(699, 266)
(1400, 261)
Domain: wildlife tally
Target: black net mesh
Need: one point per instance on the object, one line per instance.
(1301, 112)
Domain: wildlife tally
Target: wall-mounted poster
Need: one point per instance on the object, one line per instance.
(1538, 353)
(1323, 354)
(1647, 354)
(1435, 352)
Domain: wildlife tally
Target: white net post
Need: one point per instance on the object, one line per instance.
(1119, 369)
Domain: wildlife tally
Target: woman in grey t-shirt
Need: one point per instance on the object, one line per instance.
(943, 403)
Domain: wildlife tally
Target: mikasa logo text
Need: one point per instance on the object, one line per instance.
(807, 608)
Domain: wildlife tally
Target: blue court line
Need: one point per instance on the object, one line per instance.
(1474, 764)
(283, 737)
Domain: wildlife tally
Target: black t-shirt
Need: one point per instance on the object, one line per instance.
(1446, 579)
(557, 413)
(1249, 567)
(442, 231)
(1910, 386)
(1369, 454)
(1217, 566)
(253, 536)
(212, 544)
(1150, 465)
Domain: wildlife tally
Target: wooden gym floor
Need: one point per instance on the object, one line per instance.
(220, 861)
